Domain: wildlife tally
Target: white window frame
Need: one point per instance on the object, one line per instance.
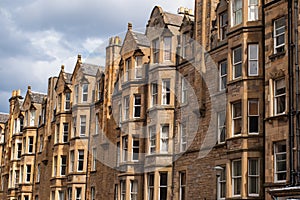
(59, 102)
(223, 25)
(154, 94)
(164, 138)
(221, 182)
(93, 193)
(255, 176)
(133, 189)
(41, 143)
(238, 63)
(125, 148)
(183, 136)
(67, 101)
(94, 158)
(30, 145)
(151, 187)
(76, 94)
(54, 173)
(167, 48)
(236, 13)
(278, 96)
(28, 174)
(136, 106)
(69, 193)
(281, 33)
(120, 114)
(61, 195)
(236, 177)
(253, 64)
(182, 185)
(235, 118)
(19, 150)
(74, 129)
(166, 92)
(80, 160)
(99, 91)
(185, 44)
(163, 186)
(126, 107)
(38, 176)
(126, 72)
(65, 132)
(78, 193)
(252, 10)
(97, 124)
(118, 154)
(82, 125)
(138, 73)
(222, 75)
(221, 126)
(57, 133)
(135, 147)
(85, 93)
(63, 165)
(155, 49)
(250, 115)
(72, 160)
(184, 90)
(32, 117)
(279, 157)
(152, 139)
(123, 190)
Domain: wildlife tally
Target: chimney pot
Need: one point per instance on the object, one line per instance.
(129, 26)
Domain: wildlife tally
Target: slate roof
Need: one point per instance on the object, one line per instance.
(37, 97)
(4, 117)
(173, 19)
(141, 39)
(68, 77)
(89, 69)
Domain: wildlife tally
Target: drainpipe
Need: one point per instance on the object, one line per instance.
(291, 93)
(174, 121)
(264, 94)
(297, 87)
(88, 153)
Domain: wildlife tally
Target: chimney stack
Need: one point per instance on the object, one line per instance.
(79, 58)
(129, 26)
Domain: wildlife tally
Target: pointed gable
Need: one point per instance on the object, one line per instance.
(133, 41)
(33, 97)
(64, 81)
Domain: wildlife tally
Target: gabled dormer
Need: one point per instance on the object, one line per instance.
(187, 40)
(32, 106)
(63, 91)
(162, 31)
(134, 54)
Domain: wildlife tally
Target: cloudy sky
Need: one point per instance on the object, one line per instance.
(38, 36)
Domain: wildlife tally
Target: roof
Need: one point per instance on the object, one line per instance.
(140, 38)
(37, 97)
(4, 117)
(173, 19)
(68, 77)
(89, 69)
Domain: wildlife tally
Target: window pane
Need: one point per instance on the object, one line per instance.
(237, 111)
(237, 55)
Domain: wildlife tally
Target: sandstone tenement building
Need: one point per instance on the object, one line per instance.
(202, 105)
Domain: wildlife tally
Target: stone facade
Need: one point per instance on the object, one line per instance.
(201, 105)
